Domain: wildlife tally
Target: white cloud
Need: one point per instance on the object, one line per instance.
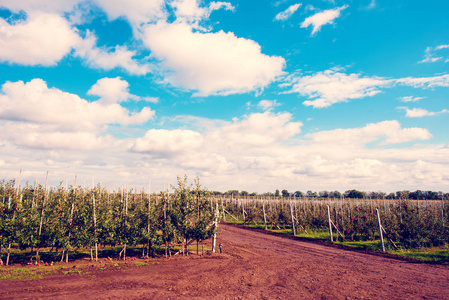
(322, 18)
(210, 63)
(115, 90)
(258, 129)
(284, 15)
(109, 58)
(41, 39)
(419, 112)
(137, 12)
(42, 116)
(191, 11)
(45, 38)
(385, 133)
(35, 102)
(410, 98)
(54, 6)
(164, 143)
(425, 82)
(330, 87)
(216, 5)
(51, 136)
(430, 54)
(267, 104)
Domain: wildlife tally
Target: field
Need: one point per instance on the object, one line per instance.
(377, 224)
(73, 242)
(253, 265)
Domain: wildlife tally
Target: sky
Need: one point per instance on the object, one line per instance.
(249, 95)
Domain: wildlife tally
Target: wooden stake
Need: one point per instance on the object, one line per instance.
(293, 219)
(380, 230)
(217, 213)
(264, 215)
(330, 223)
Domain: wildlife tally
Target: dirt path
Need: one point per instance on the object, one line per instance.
(253, 266)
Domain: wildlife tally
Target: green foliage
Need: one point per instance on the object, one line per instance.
(407, 224)
(76, 217)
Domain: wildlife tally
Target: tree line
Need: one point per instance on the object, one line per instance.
(353, 193)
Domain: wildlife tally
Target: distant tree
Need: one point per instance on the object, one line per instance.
(311, 194)
(298, 194)
(391, 196)
(285, 193)
(233, 193)
(276, 193)
(324, 194)
(335, 194)
(253, 194)
(354, 194)
(244, 193)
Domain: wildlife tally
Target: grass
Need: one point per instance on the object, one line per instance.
(33, 272)
(435, 254)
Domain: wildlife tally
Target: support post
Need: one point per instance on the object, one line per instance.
(380, 230)
(330, 223)
(264, 216)
(293, 219)
(214, 242)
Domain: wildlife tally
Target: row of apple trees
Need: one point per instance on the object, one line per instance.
(406, 223)
(36, 217)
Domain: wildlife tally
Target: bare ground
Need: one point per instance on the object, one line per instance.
(254, 265)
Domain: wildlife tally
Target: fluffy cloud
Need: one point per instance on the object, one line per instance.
(191, 11)
(210, 63)
(385, 133)
(42, 116)
(322, 18)
(51, 137)
(284, 15)
(41, 39)
(162, 142)
(109, 58)
(29, 6)
(114, 90)
(267, 104)
(258, 129)
(419, 112)
(137, 12)
(264, 149)
(330, 87)
(35, 102)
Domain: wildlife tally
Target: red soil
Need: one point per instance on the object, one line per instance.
(254, 265)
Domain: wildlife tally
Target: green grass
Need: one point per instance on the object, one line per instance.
(371, 245)
(435, 254)
(24, 273)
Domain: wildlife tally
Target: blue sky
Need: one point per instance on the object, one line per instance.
(249, 95)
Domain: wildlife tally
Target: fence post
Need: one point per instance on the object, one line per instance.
(380, 230)
(243, 212)
(222, 208)
(330, 223)
(264, 216)
(214, 240)
(293, 219)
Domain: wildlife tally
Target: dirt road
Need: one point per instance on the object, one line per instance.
(254, 265)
